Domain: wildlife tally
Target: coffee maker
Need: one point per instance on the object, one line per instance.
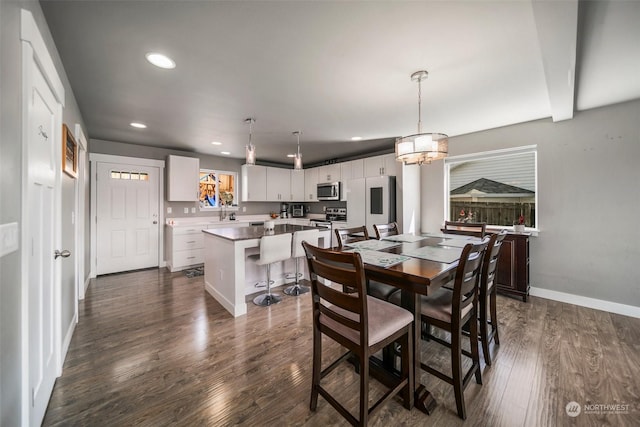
(284, 210)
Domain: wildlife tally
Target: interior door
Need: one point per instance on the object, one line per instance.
(127, 217)
(43, 155)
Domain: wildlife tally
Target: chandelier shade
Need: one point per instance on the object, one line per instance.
(421, 148)
(250, 149)
(297, 158)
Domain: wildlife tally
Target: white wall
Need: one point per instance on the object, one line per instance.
(589, 200)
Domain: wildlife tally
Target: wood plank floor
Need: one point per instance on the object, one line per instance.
(153, 348)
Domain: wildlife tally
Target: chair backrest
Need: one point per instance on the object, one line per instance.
(354, 234)
(275, 248)
(467, 280)
(384, 230)
(490, 262)
(310, 236)
(476, 229)
(347, 311)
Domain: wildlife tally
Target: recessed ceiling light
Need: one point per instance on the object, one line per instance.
(226, 153)
(216, 143)
(138, 125)
(356, 138)
(160, 60)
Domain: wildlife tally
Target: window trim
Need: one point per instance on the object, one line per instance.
(505, 152)
(218, 172)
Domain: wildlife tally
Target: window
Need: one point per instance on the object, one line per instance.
(496, 187)
(217, 188)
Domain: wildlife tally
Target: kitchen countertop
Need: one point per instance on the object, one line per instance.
(195, 221)
(256, 232)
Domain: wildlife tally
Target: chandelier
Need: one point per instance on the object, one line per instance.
(297, 158)
(250, 151)
(421, 148)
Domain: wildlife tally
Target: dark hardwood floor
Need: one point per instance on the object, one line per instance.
(153, 348)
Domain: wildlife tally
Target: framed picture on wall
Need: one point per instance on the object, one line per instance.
(69, 153)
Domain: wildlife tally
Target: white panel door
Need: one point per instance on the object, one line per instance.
(127, 217)
(41, 240)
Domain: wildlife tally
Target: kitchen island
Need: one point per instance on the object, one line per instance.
(229, 275)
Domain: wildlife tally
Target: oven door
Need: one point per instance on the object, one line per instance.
(320, 223)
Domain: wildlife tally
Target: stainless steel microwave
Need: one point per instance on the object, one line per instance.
(328, 191)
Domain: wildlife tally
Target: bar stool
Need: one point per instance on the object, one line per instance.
(274, 248)
(297, 252)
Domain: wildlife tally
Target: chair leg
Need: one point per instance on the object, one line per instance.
(268, 298)
(484, 333)
(475, 353)
(494, 316)
(296, 289)
(317, 367)
(364, 390)
(456, 370)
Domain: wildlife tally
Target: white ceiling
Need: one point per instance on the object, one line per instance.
(338, 69)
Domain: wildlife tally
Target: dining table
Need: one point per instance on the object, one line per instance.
(417, 265)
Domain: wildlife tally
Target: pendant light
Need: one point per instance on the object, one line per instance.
(297, 159)
(250, 151)
(421, 148)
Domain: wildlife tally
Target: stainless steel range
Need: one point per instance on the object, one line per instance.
(331, 215)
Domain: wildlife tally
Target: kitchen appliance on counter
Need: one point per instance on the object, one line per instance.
(297, 211)
(284, 210)
(371, 201)
(328, 191)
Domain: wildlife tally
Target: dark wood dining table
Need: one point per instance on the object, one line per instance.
(414, 277)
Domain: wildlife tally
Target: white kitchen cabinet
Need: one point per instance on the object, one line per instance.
(350, 170)
(329, 173)
(380, 165)
(311, 185)
(185, 247)
(182, 179)
(297, 186)
(278, 184)
(254, 183)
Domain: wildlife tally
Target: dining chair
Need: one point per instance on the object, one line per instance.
(358, 322)
(487, 295)
(451, 311)
(357, 234)
(476, 229)
(273, 249)
(384, 230)
(297, 252)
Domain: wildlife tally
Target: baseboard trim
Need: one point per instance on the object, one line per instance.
(598, 304)
(236, 310)
(67, 341)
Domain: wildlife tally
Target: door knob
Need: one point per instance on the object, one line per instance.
(64, 254)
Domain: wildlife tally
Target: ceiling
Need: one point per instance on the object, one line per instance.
(335, 70)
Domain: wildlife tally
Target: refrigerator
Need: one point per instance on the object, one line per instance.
(371, 201)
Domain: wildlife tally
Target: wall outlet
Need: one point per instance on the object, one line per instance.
(186, 210)
(193, 210)
(324, 209)
(244, 209)
(169, 210)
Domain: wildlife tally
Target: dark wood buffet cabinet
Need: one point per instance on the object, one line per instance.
(513, 266)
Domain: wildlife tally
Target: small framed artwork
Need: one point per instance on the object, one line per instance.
(69, 153)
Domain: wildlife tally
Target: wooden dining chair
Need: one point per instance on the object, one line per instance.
(384, 230)
(476, 229)
(357, 234)
(358, 322)
(451, 311)
(487, 295)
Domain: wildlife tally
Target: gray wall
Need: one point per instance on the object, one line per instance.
(588, 179)
(11, 196)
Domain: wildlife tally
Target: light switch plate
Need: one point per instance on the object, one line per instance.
(193, 210)
(186, 210)
(169, 210)
(8, 238)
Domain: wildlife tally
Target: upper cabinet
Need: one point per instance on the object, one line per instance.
(380, 165)
(182, 179)
(329, 173)
(278, 185)
(254, 183)
(350, 170)
(297, 186)
(311, 185)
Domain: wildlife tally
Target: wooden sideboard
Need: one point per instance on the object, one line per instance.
(513, 266)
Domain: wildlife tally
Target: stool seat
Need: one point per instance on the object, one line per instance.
(273, 249)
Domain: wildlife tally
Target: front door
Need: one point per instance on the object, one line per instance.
(43, 156)
(127, 217)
